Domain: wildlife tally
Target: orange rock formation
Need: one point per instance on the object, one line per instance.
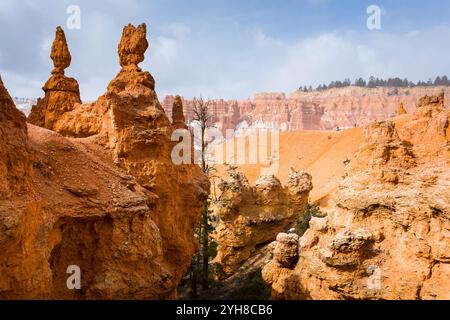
(15, 153)
(387, 234)
(252, 216)
(132, 46)
(61, 93)
(178, 120)
(112, 203)
(401, 109)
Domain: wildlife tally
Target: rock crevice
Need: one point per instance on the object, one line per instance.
(251, 216)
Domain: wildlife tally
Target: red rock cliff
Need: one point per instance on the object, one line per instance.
(318, 110)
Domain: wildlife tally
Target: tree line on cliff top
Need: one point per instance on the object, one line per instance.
(377, 82)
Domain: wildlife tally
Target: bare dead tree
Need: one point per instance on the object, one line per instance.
(202, 118)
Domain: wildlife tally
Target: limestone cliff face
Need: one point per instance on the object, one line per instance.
(253, 216)
(388, 234)
(61, 93)
(112, 203)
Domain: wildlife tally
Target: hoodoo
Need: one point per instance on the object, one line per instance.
(178, 120)
(62, 94)
(110, 202)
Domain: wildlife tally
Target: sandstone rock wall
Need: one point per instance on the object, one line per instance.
(321, 110)
(253, 216)
(112, 202)
(387, 235)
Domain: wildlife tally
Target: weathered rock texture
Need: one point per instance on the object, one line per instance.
(401, 109)
(388, 233)
(253, 216)
(15, 153)
(62, 94)
(319, 110)
(132, 46)
(112, 203)
(178, 119)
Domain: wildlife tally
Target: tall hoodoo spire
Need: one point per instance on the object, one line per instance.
(178, 119)
(61, 93)
(60, 53)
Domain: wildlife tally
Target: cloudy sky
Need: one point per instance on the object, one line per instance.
(227, 48)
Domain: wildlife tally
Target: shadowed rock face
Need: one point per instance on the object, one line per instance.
(15, 154)
(387, 234)
(62, 94)
(112, 203)
(253, 216)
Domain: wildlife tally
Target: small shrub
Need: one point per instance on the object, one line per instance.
(312, 211)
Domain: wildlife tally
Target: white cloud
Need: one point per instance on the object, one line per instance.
(260, 62)
(22, 86)
(166, 50)
(6, 7)
(261, 39)
(178, 30)
(46, 46)
(336, 56)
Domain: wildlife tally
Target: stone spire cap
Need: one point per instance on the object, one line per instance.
(60, 53)
(133, 45)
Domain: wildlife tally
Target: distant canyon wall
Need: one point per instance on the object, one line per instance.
(319, 110)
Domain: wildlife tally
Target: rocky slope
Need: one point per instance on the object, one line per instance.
(251, 217)
(104, 195)
(387, 234)
(319, 110)
(323, 154)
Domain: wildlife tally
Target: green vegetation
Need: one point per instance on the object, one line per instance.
(312, 211)
(376, 82)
